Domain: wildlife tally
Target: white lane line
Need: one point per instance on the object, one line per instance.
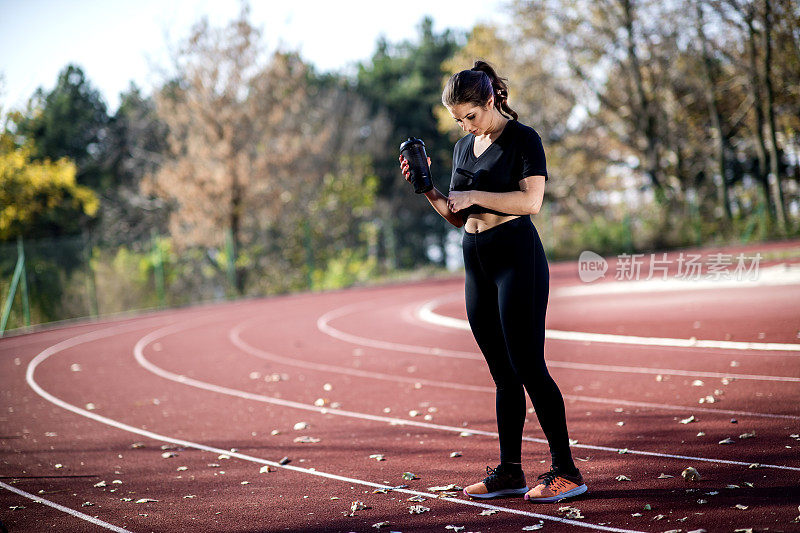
(234, 335)
(323, 324)
(140, 358)
(427, 314)
(780, 274)
(41, 357)
(63, 509)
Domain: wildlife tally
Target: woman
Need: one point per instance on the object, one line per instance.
(497, 182)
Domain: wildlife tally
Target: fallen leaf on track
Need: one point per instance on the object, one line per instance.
(455, 454)
(418, 509)
(665, 476)
(571, 512)
(688, 420)
(408, 476)
(377, 457)
(747, 435)
(456, 528)
(167, 455)
(691, 474)
(265, 469)
(534, 527)
(451, 486)
(100, 484)
(358, 506)
(740, 506)
(623, 478)
(489, 512)
(300, 426)
(305, 439)
(145, 500)
(379, 525)
(190, 496)
(284, 461)
(416, 499)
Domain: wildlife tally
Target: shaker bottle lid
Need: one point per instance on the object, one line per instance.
(410, 141)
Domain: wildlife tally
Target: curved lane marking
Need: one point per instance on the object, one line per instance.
(42, 356)
(323, 324)
(427, 314)
(140, 358)
(234, 335)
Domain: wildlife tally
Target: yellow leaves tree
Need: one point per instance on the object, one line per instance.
(39, 198)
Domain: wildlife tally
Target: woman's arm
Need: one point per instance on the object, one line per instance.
(439, 203)
(526, 201)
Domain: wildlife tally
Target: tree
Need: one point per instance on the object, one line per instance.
(69, 121)
(39, 198)
(406, 80)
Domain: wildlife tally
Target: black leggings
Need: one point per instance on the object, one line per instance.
(507, 288)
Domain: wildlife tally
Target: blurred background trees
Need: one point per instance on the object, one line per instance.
(247, 172)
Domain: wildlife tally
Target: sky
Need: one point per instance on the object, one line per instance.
(119, 41)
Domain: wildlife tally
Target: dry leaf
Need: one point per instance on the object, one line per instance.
(300, 426)
(379, 525)
(571, 512)
(688, 420)
(146, 500)
(451, 486)
(101, 484)
(458, 528)
(455, 454)
(665, 476)
(691, 474)
(623, 478)
(305, 439)
(167, 455)
(418, 509)
(265, 469)
(489, 512)
(377, 457)
(417, 499)
(534, 527)
(408, 476)
(747, 435)
(358, 506)
(740, 506)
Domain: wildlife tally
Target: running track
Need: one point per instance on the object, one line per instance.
(88, 408)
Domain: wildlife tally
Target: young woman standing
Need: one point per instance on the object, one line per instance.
(497, 182)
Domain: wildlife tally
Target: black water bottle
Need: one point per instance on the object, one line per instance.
(413, 151)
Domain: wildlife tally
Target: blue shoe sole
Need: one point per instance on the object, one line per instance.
(498, 493)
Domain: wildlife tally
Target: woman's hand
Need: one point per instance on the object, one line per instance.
(459, 200)
(407, 171)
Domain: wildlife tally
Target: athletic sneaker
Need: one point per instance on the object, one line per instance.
(556, 486)
(499, 482)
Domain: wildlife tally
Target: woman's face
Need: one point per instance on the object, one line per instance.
(473, 118)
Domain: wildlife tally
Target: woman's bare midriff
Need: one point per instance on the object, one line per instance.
(480, 222)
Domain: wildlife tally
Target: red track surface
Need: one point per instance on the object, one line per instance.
(380, 362)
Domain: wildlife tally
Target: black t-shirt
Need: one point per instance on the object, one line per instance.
(516, 154)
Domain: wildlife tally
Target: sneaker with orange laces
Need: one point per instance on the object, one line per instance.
(556, 486)
(500, 482)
